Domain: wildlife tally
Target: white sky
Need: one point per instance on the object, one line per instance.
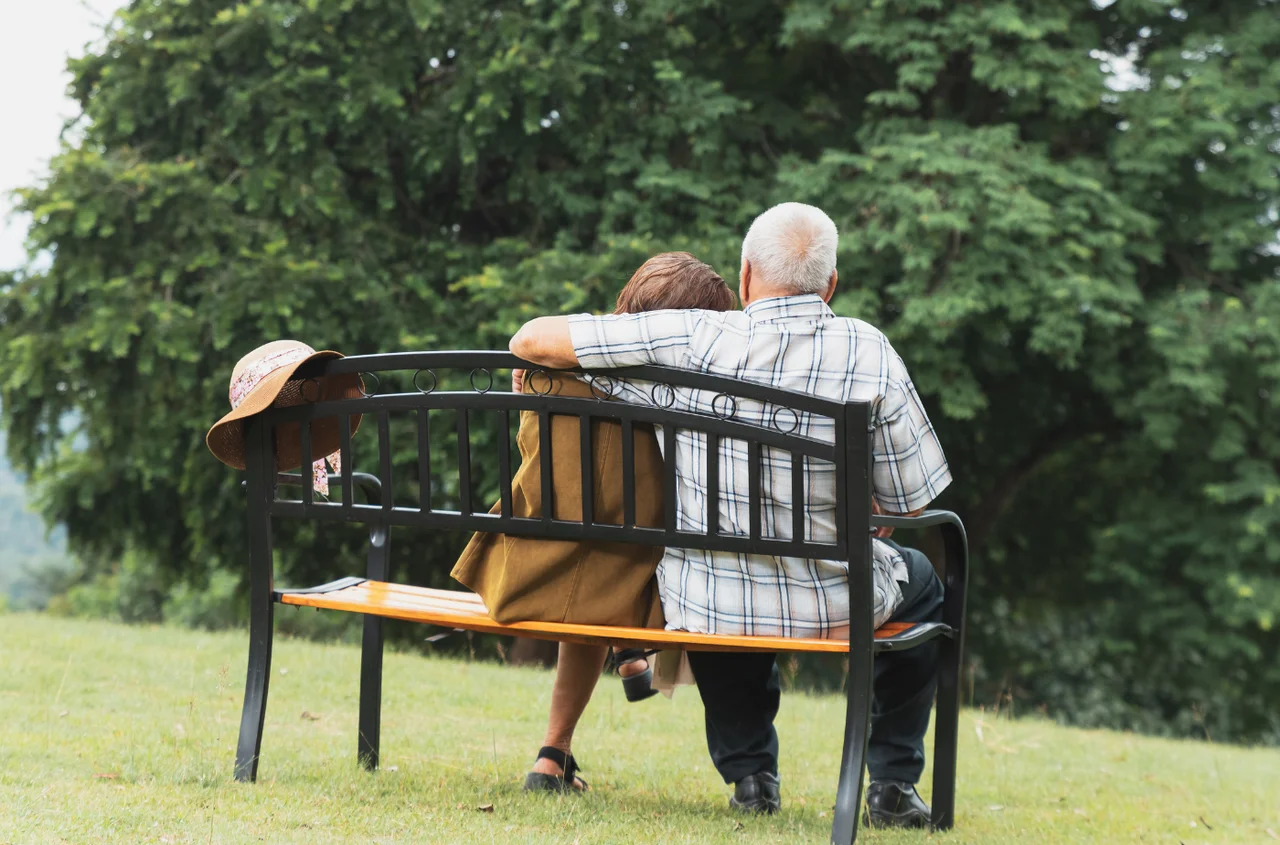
(36, 36)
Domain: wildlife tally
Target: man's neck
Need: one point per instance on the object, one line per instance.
(771, 293)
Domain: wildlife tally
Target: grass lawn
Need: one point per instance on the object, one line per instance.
(124, 734)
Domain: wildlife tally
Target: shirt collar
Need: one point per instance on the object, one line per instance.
(778, 308)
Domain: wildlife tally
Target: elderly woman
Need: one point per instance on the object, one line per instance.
(594, 583)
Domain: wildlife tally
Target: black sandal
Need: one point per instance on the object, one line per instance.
(538, 782)
(638, 687)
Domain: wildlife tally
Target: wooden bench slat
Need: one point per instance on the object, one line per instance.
(458, 609)
(461, 597)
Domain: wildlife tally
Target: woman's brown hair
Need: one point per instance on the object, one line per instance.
(674, 280)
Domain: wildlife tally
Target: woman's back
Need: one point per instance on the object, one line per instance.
(584, 582)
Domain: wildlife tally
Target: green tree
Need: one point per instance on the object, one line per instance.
(1063, 215)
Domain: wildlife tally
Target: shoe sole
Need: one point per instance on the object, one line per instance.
(639, 686)
(913, 819)
(766, 807)
(556, 784)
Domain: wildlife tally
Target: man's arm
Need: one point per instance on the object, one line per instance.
(545, 341)
(909, 469)
(614, 340)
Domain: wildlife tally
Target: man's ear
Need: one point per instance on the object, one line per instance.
(831, 287)
(744, 283)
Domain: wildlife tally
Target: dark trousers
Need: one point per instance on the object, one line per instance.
(740, 693)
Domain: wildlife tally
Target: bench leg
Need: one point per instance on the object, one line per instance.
(370, 693)
(946, 730)
(255, 689)
(853, 763)
(378, 568)
(260, 444)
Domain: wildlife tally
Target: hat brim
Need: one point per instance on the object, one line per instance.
(226, 438)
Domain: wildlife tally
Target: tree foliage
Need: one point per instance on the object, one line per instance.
(1064, 216)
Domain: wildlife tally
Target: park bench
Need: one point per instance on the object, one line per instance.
(377, 596)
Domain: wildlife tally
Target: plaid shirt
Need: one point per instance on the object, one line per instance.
(794, 342)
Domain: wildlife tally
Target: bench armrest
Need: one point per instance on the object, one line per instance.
(955, 577)
(369, 484)
(924, 520)
(378, 567)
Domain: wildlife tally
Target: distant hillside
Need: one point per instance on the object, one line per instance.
(23, 541)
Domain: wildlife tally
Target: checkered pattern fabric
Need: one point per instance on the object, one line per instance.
(793, 342)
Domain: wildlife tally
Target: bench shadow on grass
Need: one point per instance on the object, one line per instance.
(608, 801)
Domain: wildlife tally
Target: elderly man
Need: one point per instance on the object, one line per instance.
(786, 336)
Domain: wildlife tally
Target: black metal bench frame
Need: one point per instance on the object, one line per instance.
(851, 454)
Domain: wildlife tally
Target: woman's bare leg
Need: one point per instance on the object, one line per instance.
(577, 671)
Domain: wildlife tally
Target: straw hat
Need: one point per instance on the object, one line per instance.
(265, 379)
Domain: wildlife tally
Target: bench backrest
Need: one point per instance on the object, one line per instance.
(850, 454)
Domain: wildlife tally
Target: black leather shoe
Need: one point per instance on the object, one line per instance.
(894, 804)
(758, 793)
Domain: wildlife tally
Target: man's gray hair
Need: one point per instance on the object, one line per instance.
(792, 246)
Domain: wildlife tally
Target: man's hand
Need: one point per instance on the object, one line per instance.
(886, 531)
(517, 381)
(545, 341)
(882, 533)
